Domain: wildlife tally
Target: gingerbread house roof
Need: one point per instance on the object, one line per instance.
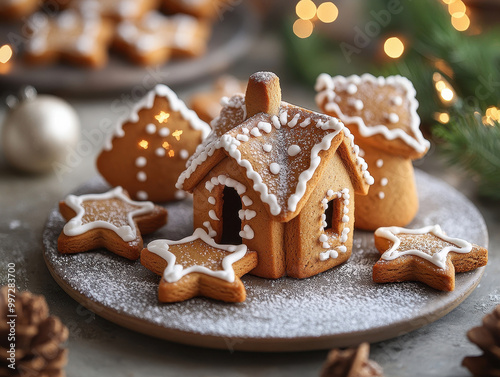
(282, 155)
(384, 110)
(147, 102)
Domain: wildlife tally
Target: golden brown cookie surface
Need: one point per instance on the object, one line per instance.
(149, 150)
(77, 37)
(280, 179)
(426, 255)
(154, 38)
(382, 115)
(197, 266)
(109, 220)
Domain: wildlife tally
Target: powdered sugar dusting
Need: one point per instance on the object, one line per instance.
(335, 303)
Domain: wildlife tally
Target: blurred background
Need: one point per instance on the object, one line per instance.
(90, 61)
(102, 56)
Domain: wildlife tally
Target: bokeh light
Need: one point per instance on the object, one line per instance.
(461, 23)
(305, 9)
(327, 12)
(394, 47)
(303, 28)
(5, 54)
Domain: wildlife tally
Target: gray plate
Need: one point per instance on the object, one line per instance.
(231, 39)
(340, 307)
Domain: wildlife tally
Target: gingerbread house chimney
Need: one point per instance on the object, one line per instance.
(263, 94)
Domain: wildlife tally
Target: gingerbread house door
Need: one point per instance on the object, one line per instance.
(231, 221)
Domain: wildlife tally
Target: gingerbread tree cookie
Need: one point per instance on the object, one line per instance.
(426, 254)
(382, 115)
(197, 266)
(154, 38)
(109, 220)
(78, 37)
(149, 150)
(280, 179)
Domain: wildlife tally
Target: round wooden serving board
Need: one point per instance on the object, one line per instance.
(340, 307)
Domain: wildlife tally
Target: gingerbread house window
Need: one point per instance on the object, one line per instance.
(231, 223)
(333, 216)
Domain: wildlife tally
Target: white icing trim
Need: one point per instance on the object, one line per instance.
(325, 86)
(127, 233)
(231, 144)
(439, 258)
(304, 177)
(324, 237)
(147, 102)
(174, 272)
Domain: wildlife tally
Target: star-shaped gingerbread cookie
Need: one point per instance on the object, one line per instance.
(109, 220)
(77, 37)
(197, 266)
(426, 254)
(154, 38)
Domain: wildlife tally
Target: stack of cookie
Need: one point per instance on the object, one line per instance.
(82, 32)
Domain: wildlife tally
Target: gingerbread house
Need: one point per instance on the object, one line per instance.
(382, 114)
(147, 151)
(280, 179)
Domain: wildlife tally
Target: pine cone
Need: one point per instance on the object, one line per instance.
(352, 362)
(38, 337)
(486, 337)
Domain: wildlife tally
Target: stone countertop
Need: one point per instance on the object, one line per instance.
(100, 348)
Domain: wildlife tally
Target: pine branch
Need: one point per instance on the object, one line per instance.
(475, 148)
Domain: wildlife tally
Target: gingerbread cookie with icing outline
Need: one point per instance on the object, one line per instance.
(115, 10)
(80, 38)
(109, 220)
(148, 150)
(382, 115)
(197, 266)
(155, 38)
(426, 254)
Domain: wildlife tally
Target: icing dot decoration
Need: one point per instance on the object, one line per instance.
(274, 168)
(184, 154)
(393, 118)
(352, 89)
(293, 150)
(140, 162)
(164, 132)
(142, 195)
(160, 152)
(151, 128)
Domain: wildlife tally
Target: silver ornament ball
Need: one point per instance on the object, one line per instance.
(38, 132)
